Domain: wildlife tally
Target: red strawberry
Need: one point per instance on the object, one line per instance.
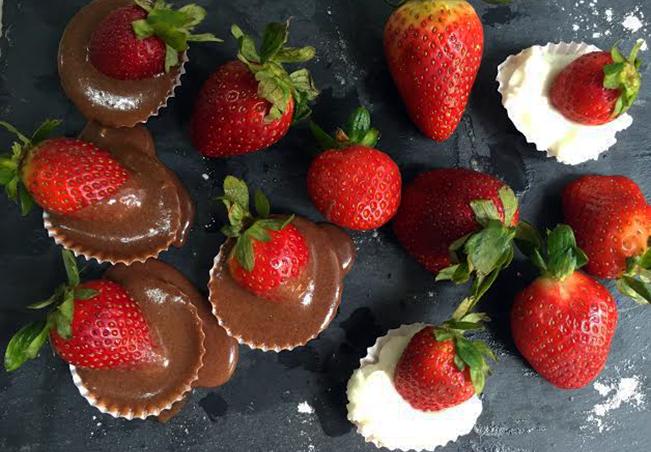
(434, 49)
(248, 105)
(63, 175)
(442, 206)
(612, 222)
(93, 325)
(143, 40)
(353, 184)
(563, 323)
(597, 87)
(440, 368)
(269, 253)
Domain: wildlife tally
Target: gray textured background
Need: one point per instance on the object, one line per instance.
(40, 409)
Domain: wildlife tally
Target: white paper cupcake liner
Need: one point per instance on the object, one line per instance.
(372, 358)
(563, 53)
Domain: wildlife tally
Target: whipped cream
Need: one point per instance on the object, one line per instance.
(525, 80)
(384, 418)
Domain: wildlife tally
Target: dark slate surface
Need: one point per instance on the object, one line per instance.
(40, 408)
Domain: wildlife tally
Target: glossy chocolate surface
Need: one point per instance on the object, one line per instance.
(304, 311)
(112, 102)
(194, 351)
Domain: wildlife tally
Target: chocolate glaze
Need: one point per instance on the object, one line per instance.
(112, 102)
(150, 212)
(302, 314)
(195, 351)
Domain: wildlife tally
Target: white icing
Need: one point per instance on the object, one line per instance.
(384, 418)
(525, 80)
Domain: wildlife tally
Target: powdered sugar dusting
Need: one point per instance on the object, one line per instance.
(305, 408)
(627, 391)
(598, 19)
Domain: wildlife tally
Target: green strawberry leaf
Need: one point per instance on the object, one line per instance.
(26, 344)
(258, 232)
(509, 204)
(44, 130)
(563, 254)
(274, 39)
(262, 205)
(485, 211)
(84, 293)
(56, 297)
(359, 123)
(142, 29)
(459, 363)
(636, 289)
(22, 138)
(275, 84)
(244, 252)
(63, 315)
(70, 264)
(623, 75)
(236, 191)
(25, 200)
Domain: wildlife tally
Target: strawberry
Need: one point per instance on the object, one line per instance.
(458, 222)
(270, 253)
(598, 87)
(353, 184)
(145, 39)
(563, 323)
(62, 175)
(248, 105)
(94, 325)
(441, 368)
(612, 222)
(434, 49)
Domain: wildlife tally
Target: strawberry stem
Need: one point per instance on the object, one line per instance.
(623, 75)
(243, 225)
(173, 27)
(636, 281)
(27, 342)
(275, 84)
(11, 164)
(484, 254)
(357, 131)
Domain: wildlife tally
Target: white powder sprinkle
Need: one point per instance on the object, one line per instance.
(632, 23)
(609, 15)
(626, 391)
(644, 45)
(305, 408)
(575, 27)
(205, 176)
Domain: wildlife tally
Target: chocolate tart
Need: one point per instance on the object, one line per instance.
(194, 350)
(112, 102)
(149, 213)
(302, 314)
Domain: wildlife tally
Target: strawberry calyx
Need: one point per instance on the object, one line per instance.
(558, 256)
(623, 75)
(173, 26)
(483, 254)
(275, 84)
(470, 353)
(636, 280)
(243, 225)
(11, 164)
(27, 342)
(357, 131)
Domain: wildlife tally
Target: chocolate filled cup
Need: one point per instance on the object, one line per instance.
(194, 351)
(298, 318)
(149, 213)
(112, 102)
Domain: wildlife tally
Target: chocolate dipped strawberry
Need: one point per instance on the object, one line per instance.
(249, 104)
(94, 325)
(611, 219)
(353, 184)
(269, 251)
(62, 175)
(563, 323)
(598, 87)
(144, 39)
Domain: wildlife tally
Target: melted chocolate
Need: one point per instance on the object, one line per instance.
(302, 314)
(195, 351)
(150, 212)
(112, 102)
